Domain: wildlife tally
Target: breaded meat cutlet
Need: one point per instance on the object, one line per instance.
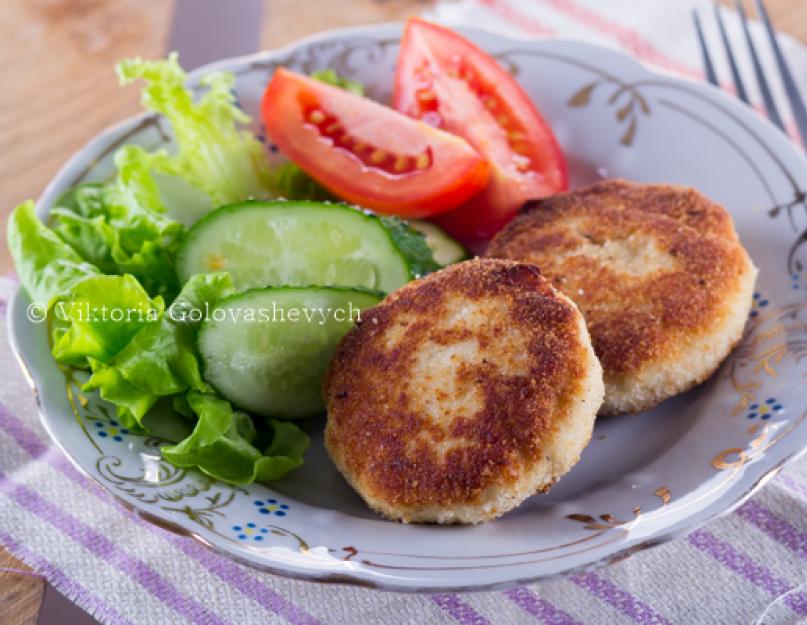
(462, 394)
(657, 271)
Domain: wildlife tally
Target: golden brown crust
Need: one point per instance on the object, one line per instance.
(452, 385)
(648, 265)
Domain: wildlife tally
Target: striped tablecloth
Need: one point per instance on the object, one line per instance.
(748, 567)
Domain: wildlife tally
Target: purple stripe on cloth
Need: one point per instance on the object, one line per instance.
(247, 585)
(63, 583)
(541, 609)
(793, 485)
(620, 599)
(104, 548)
(229, 572)
(744, 566)
(460, 611)
(778, 529)
(25, 437)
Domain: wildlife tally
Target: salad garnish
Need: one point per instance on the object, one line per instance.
(183, 240)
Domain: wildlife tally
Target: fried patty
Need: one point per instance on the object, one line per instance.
(658, 272)
(462, 394)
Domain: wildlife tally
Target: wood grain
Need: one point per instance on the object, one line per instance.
(287, 20)
(20, 595)
(59, 88)
(789, 16)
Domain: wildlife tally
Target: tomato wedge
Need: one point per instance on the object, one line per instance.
(448, 82)
(367, 153)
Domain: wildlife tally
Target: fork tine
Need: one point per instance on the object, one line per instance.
(767, 96)
(708, 67)
(793, 95)
(735, 71)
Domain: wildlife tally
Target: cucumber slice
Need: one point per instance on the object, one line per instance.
(294, 243)
(445, 250)
(270, 360)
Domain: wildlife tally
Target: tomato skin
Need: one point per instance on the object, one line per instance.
(444, 79)
(451, 173)
(480, 218)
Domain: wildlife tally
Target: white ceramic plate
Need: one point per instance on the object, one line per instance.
(642, 480)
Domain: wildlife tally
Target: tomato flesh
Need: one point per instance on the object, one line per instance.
(371, 156)
(367, 153)
(448, 82)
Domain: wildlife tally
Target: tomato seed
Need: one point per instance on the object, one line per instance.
(329, 126)
(316, 117)
(401, 164)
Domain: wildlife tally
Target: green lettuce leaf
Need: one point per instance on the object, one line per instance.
(161, 359)
(85, 200)
(147, 239)
(92, 237)
(412, 244)
(163, 421)
(200, 293)
(79, 218)
(214, 151)
(131, 403)
(221, 444)
(330, 77)
(46, 265)
(285, 452)
(99, 317)
(121, 227)
(292, 183)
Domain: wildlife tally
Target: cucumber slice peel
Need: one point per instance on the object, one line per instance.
(298, 243)
(444, 249)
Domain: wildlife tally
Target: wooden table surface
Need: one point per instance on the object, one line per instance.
(59, 90)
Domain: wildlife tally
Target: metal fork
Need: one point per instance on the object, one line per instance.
(786, 76)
